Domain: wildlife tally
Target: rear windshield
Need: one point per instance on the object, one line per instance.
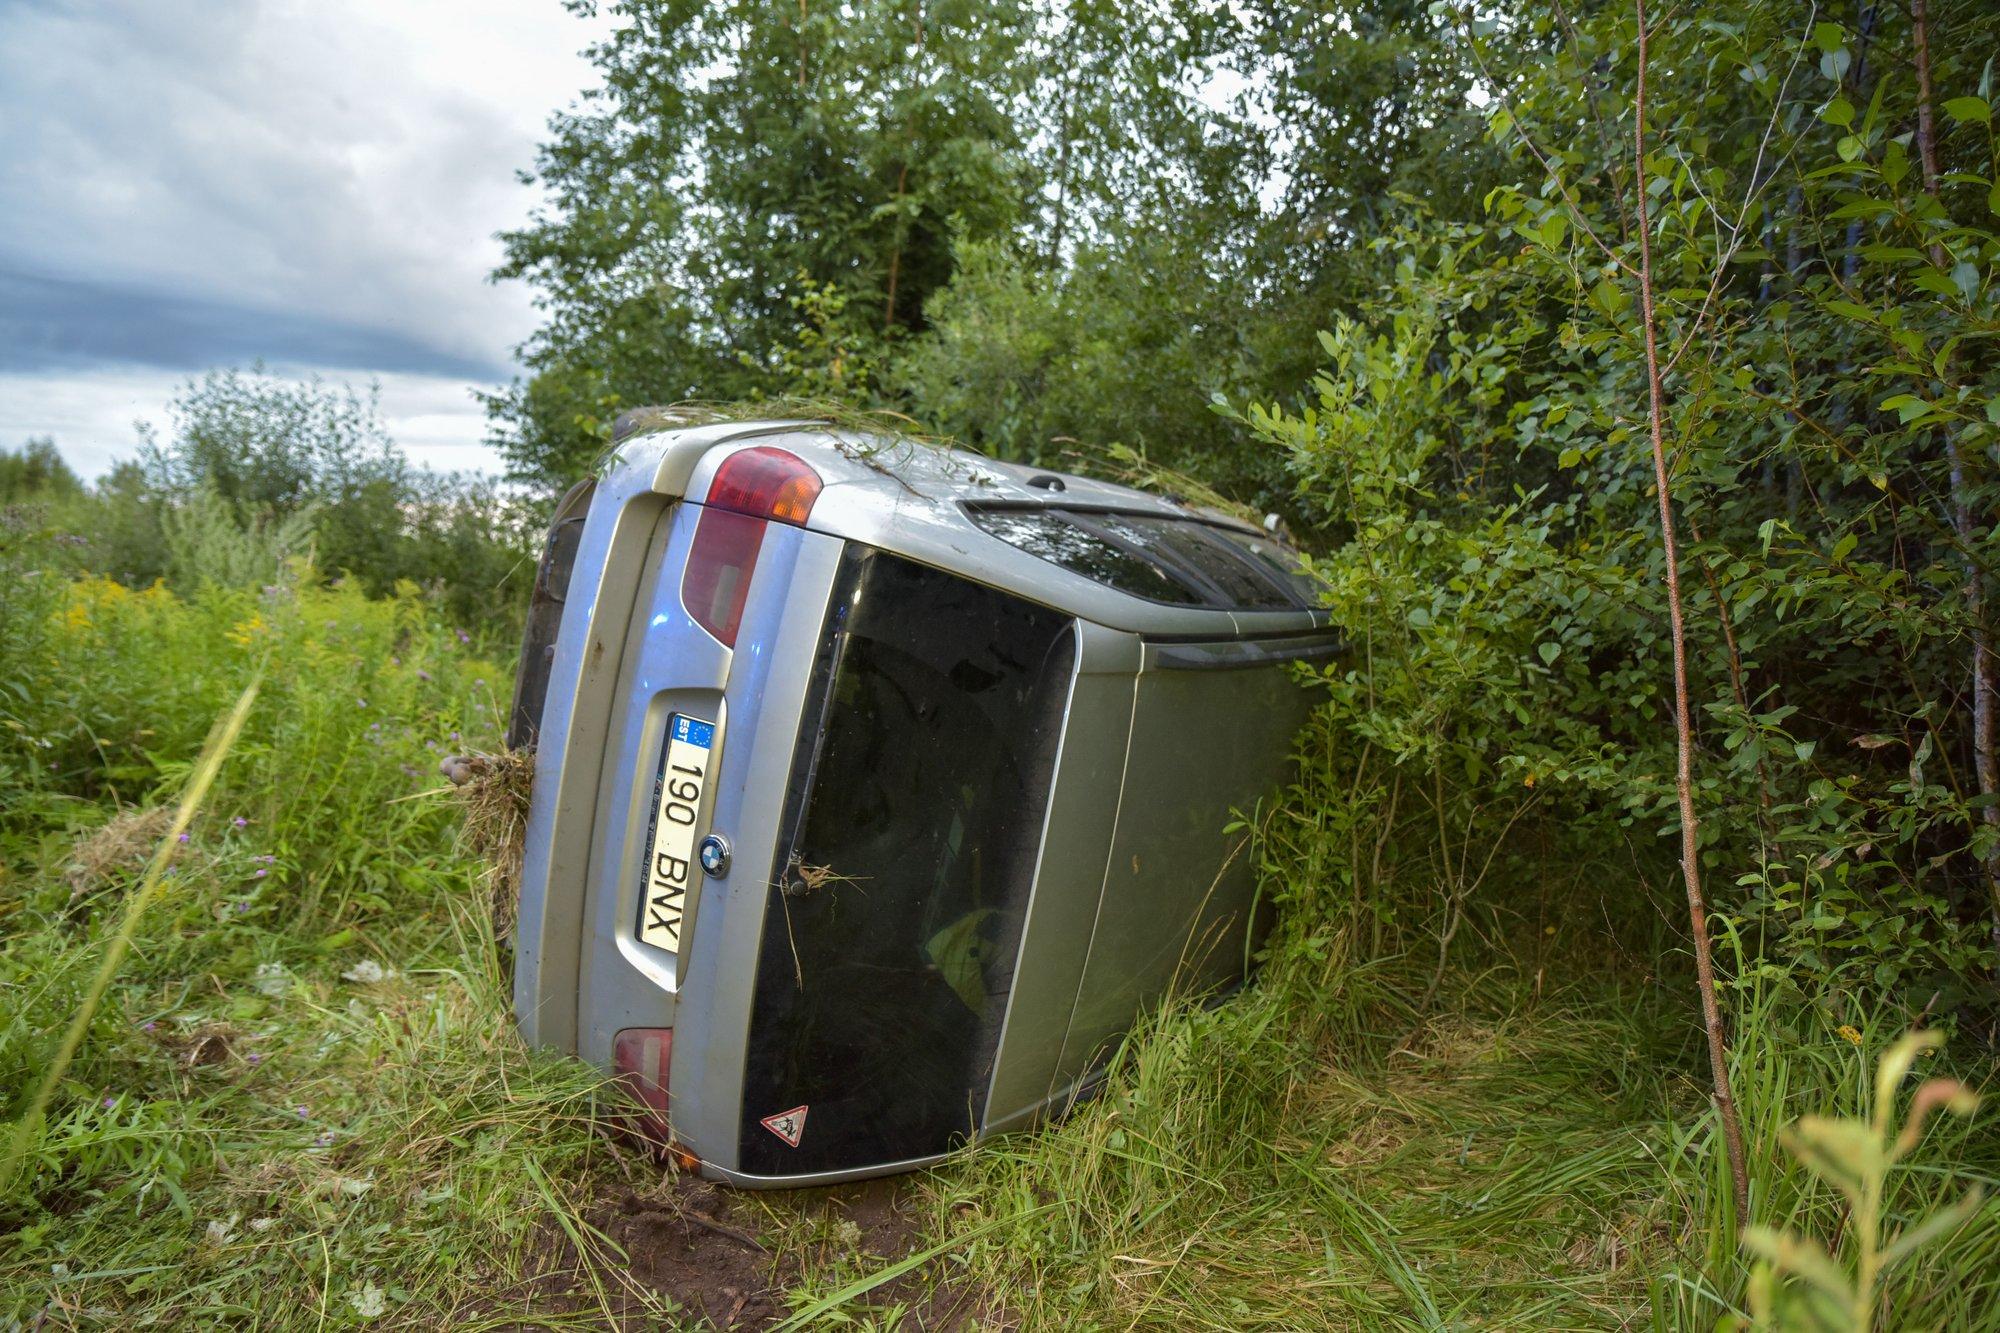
(913, 822)
(1179, 561)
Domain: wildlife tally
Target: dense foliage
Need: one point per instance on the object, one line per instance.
(1033, 224)
(1828, 346)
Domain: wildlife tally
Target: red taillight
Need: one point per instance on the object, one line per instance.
(640, 1058)
(751, 486)
(765, 483)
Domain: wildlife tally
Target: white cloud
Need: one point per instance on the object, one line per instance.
(93, 414)
(335, 161)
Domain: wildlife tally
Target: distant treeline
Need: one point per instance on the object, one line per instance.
(258, 471)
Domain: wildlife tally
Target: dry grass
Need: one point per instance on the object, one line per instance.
(494, 789)
(118, 848)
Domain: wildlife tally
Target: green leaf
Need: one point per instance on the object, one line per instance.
(1931, 280)
(1849, 147)
(1895, 1064)
(1549, 652)
(1839, 112)
(1907, 407)
(1969, 110)
(1843, 1153)
(1569, 458)
(1800, 1256)
(1841, 550)
(1828, 37)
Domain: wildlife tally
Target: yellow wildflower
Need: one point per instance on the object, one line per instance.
(247, 630)
(1851, 1035)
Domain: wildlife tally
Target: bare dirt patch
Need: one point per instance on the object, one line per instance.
(727, 1258)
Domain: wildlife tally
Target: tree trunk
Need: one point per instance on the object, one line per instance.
(896, 254)
(902, 182)
(1718, 1055)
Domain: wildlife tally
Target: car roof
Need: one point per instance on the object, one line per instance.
(911, 496)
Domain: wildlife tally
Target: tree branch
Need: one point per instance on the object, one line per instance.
(1718, 1055)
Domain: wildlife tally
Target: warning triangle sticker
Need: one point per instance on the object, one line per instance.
(787, 1125)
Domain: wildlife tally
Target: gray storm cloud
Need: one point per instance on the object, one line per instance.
(212, 181)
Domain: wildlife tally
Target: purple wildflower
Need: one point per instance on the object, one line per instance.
(241, 906)
(324, 1140)
(255, 1057)
(260, 874)
(148, 1026)
(240, 822)
(186, 836)
(302, 1111)
(110, 1102)
(423, 674)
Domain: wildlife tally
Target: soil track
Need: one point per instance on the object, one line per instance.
(714, 1252)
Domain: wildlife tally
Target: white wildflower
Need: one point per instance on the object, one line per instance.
(272, 979)
(262, 1224)
(220, 1232)
(354, 1186)
(368, 972)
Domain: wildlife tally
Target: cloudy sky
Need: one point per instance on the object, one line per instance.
(316, 183)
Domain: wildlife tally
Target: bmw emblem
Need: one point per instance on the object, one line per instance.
(714, 855)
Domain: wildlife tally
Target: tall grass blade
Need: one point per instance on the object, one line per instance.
(221, 740)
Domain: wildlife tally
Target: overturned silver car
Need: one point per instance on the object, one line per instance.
(879, 787)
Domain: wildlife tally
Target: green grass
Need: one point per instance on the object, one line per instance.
(1493, 1168)
(252, 1130)
(1514, 1161)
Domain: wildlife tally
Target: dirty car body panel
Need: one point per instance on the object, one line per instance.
(959, 742)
